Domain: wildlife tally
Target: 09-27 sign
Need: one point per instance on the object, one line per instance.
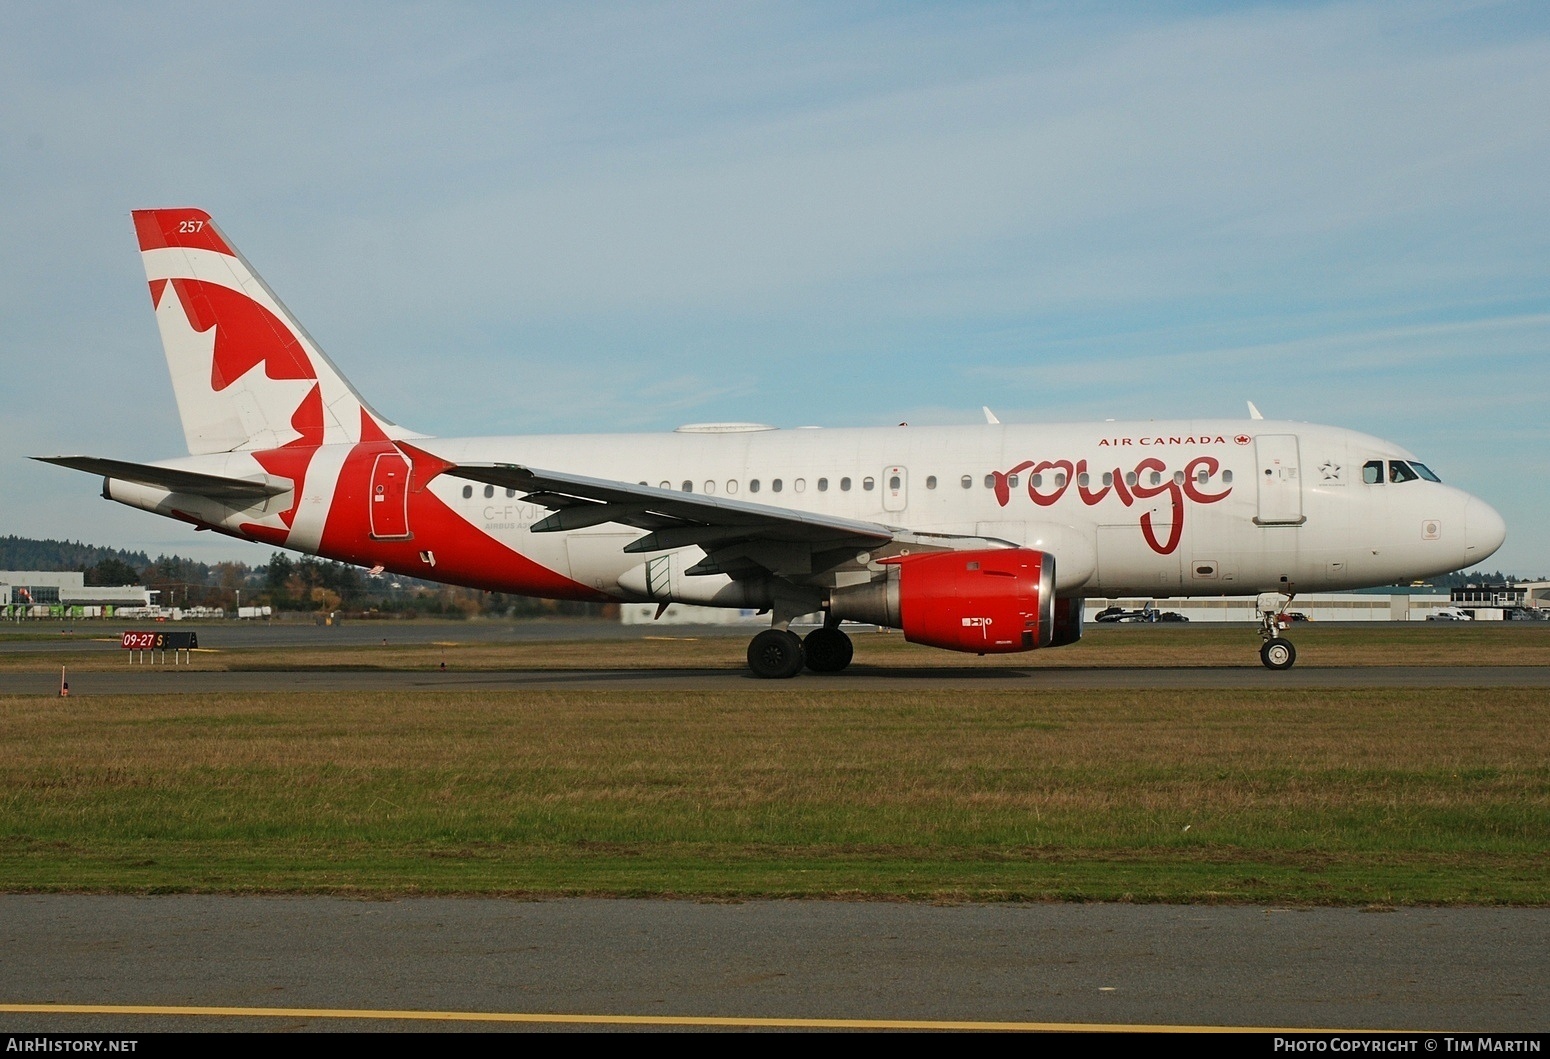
(160, 641)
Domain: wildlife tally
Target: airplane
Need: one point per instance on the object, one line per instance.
(984, 539)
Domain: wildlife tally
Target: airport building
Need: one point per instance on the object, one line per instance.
(689, 614)
(65, 594)
(1524, 600)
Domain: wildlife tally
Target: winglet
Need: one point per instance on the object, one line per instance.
(990, 417)
(1254, 412)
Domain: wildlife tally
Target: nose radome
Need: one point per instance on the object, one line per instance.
(1484, 530)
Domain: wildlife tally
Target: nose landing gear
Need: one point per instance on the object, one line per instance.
(1276, 652)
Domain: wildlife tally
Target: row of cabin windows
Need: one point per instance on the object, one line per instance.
(1058, 481)
(798, 485)
(1399, 471)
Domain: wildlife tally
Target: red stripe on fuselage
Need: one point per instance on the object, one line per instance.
(291, 461)
(464, 554)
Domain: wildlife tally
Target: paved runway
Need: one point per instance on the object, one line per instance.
(1446, 969)
(166, 680)
(1418, 969)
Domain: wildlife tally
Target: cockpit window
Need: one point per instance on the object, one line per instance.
(1424, 471)
(1372, 472)
(1399, 471)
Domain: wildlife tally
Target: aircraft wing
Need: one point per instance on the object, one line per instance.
(216, 486)
(579, 501)
(739, 538)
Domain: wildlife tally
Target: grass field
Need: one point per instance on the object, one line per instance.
(1356, 644)
(801, 789)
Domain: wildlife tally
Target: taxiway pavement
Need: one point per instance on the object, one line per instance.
(1437, 969)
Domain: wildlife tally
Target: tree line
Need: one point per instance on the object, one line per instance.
(287, 583)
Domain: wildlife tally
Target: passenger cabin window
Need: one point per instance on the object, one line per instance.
(731, 485)
(775, 486)
(511, 494)
(1399, 471)
(990, 481)
(489, 491)
(930, 481)
(823, 485)
(868, 484)
(688, 487)
(1011, 481)
(1372, 472)
(844, 485)
(967, 482)
(800, 485)
(468, 491)
(753, 485)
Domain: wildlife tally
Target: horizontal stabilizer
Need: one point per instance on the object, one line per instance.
(215, 486)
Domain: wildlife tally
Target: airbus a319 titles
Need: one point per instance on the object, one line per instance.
(983, 538)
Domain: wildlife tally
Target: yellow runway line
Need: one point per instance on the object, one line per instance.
(633, 1020)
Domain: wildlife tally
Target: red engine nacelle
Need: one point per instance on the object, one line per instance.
(984, 602)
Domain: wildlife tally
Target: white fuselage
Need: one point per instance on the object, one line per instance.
(1196, 507)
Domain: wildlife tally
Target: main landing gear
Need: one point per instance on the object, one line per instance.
(828, 650)
(778, 654)
(1276, 652)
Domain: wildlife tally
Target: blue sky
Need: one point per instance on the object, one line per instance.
(552, 218)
